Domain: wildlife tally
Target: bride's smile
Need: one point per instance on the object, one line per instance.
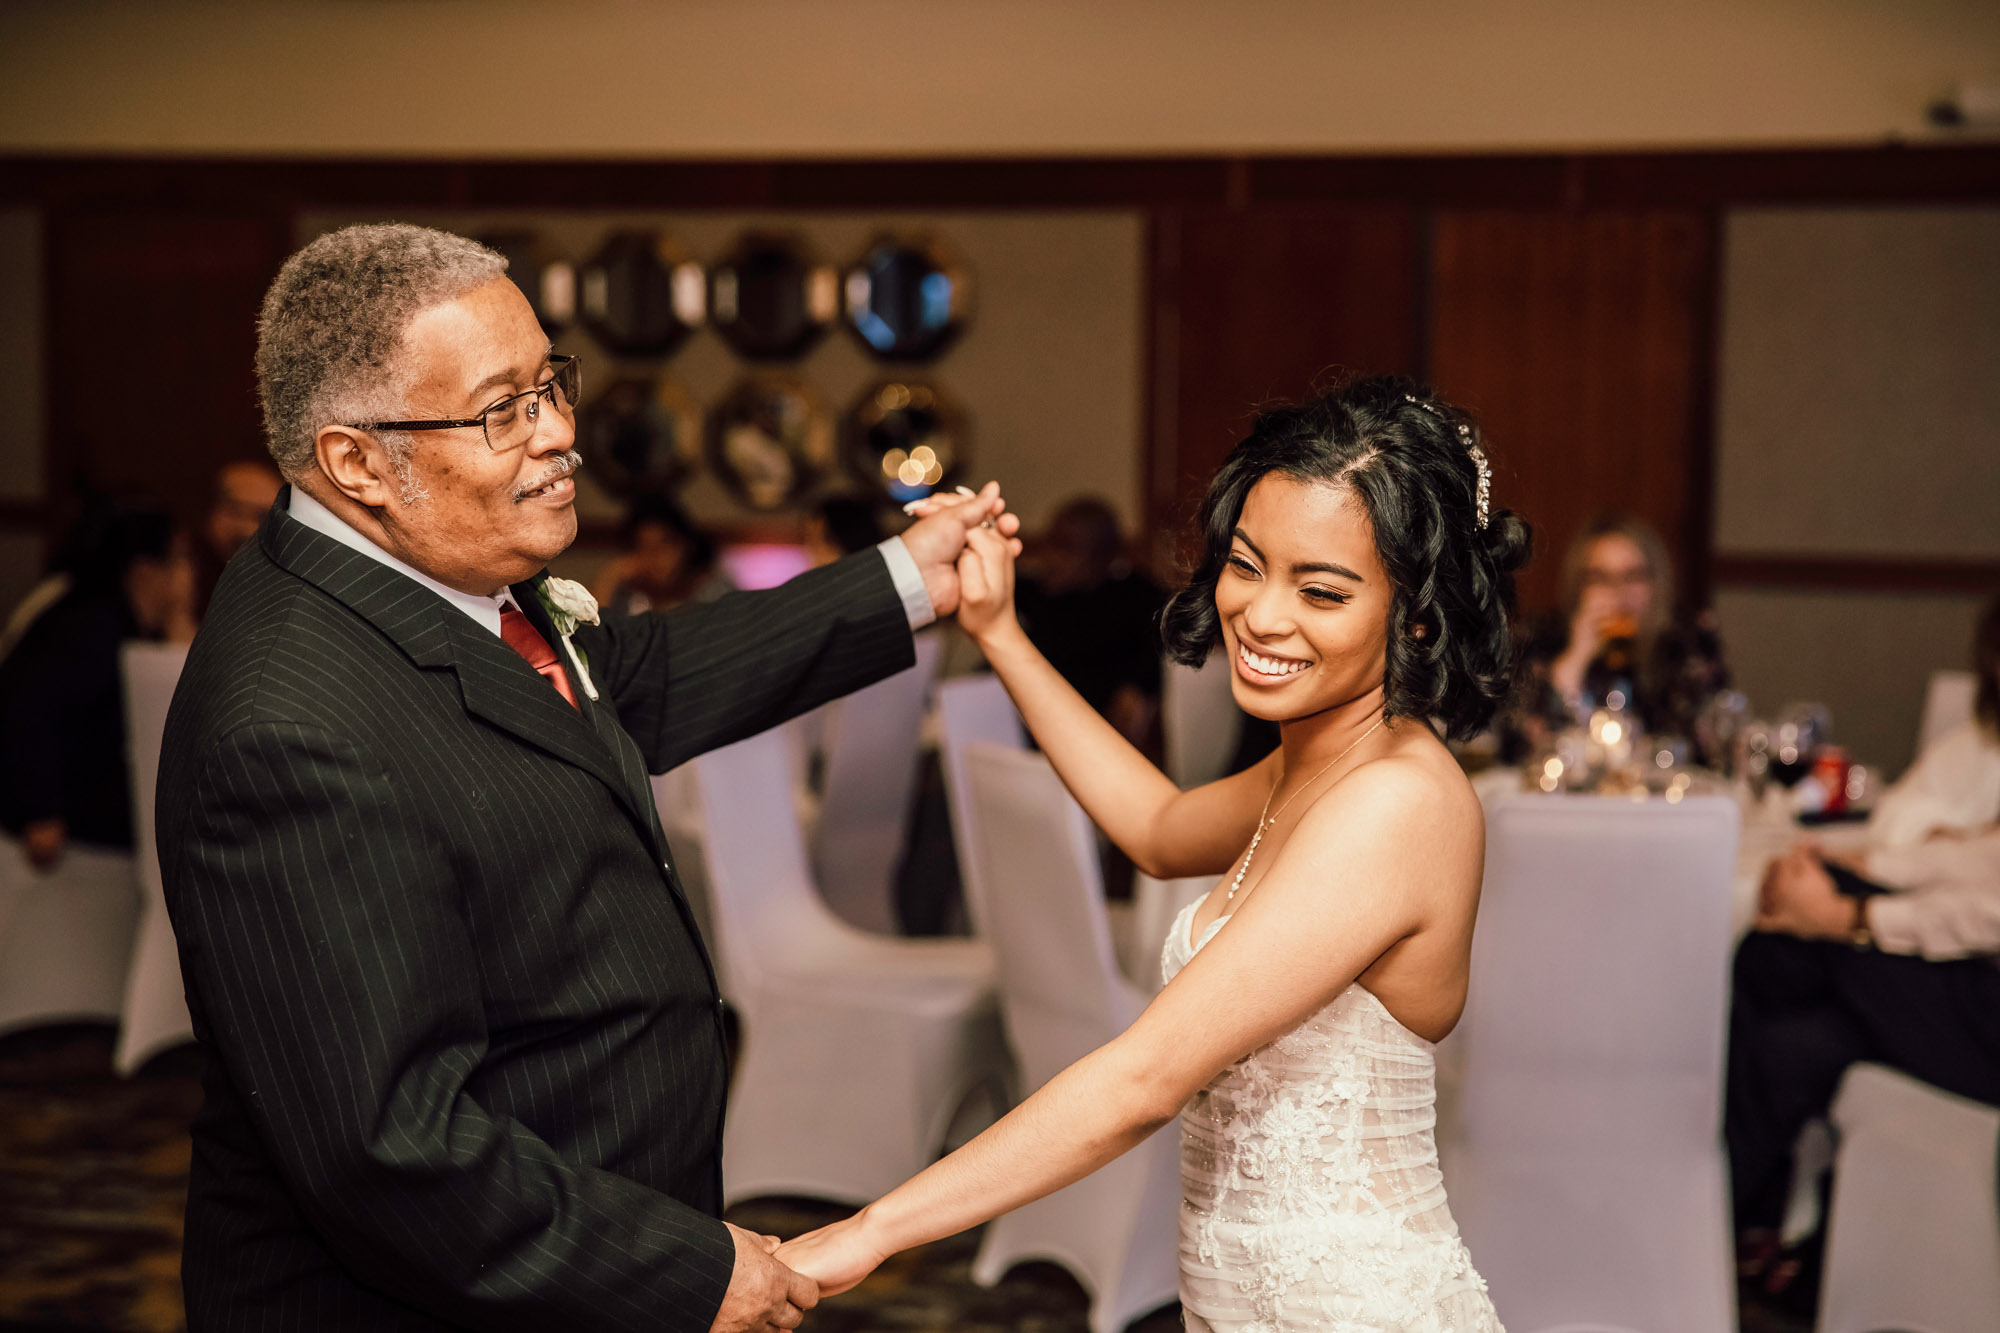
(1263, 669)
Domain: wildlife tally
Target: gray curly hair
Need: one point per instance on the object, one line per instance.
(333, 319)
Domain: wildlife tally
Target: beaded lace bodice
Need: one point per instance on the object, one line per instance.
(1311, 1192)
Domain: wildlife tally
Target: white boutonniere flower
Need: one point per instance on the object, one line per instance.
(570, 604)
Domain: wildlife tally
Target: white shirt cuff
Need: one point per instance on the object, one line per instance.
(909, 583)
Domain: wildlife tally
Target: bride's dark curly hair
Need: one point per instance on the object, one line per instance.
(1403, 454)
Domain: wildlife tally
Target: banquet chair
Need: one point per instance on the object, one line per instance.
(1199, 719)
(972, 709)
(1064, 996)
(155, 1014)
(1913, 1242)
(857, 1049)
(1948, 701)
(65, 936)
(1585, 1164)
(870, 777)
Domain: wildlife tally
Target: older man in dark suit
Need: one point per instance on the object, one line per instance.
(467, 1064)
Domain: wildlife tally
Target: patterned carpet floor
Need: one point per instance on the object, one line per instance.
(93, 1177)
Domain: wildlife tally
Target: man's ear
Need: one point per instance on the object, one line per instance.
(357, 465)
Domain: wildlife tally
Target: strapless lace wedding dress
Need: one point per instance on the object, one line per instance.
(1311, 1197)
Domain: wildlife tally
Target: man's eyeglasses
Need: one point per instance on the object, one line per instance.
(511, 422)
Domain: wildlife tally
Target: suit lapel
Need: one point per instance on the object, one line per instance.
(495, 683)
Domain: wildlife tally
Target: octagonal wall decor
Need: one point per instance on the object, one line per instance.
(639, 436)
(907, 299)
(904, 439)
(770, 299)
(640, 295)
(549, 283)
(769, 439)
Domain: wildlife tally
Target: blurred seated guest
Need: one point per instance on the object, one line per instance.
(1954, 785)
(245, 490)
(1894, 959)
(1616, 643)
(63, 772)
(1094, 617)
(842, 525)
(666, 560)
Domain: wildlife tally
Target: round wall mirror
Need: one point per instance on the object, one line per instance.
(904, 439)
(639, 295)
(906, 300)
(769, 440)
(769, 299)
(639, 436)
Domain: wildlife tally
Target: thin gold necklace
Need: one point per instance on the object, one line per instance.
(1266, 819)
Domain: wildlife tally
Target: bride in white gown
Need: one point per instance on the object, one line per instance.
(1355, 575)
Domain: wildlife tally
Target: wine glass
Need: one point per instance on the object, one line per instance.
(1802, 728)
(1753, 763)
(1721, 721)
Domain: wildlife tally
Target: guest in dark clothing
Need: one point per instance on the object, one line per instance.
(668, 560)
(1615, 643)
(1094, 617)
(63, 772)
(1890, 956)
(840, 526)
(245, 490)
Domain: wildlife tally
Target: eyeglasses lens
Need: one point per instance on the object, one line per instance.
(512, 423)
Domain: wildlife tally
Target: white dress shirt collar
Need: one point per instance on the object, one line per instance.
(485, 610)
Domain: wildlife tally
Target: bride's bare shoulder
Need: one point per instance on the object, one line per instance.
(1418, 781)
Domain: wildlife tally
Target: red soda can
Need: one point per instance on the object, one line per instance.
(1829, 769)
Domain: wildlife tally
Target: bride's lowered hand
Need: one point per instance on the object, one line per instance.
(836, 1256)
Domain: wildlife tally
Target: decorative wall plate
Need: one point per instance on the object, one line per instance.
(904, 438)
(639, 436)
(548, 283)
(639, 295)
(770, 299)
(906, 300)
(769, 440)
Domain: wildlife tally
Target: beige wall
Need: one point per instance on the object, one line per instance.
(1048, 369)
(1859, 397)
(1858, 414)
(772, 77)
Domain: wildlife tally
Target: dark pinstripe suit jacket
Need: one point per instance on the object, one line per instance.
(466, 1065)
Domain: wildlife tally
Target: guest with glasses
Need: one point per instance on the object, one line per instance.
(1616, 642)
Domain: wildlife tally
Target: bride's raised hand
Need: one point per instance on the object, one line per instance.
(836, 1256)
(986, 585)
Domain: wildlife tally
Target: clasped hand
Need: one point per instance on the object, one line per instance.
(939, 537)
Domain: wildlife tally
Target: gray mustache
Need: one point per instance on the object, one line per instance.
(564, 464)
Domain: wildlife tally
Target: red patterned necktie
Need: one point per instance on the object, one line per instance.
(522, 636)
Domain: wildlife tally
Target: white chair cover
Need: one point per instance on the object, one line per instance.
(1587, 1173)
(155, 1015)
(1063, 995)
(857, 1049)
(65, 936)
(972, 709)
(1200, 719)
(870, 778)
(1914, 1238)
(1948, 703)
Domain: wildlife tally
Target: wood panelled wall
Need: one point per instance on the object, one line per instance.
(1569, 300)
